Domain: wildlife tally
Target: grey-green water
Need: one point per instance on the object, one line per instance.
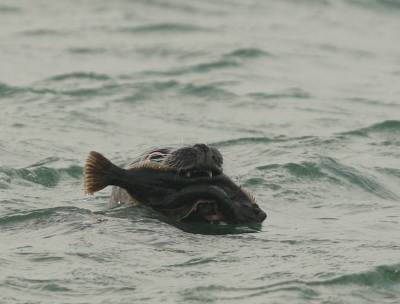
(301, 97)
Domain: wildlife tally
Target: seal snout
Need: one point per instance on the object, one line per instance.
(261, 214)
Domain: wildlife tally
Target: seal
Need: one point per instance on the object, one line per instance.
(185, 184)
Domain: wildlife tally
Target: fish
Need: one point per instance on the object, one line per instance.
(195, 190)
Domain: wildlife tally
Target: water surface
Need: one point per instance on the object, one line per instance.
(301, 98)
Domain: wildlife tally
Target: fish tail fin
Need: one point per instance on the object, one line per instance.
(97, 172)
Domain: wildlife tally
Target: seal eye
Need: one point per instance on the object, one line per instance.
(155, 156)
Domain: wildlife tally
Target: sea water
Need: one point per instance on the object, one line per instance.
(302, 98)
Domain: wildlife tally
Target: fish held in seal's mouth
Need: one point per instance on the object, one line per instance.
(185, 184)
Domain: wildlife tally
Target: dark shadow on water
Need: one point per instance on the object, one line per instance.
(205, 228)
(213, 229)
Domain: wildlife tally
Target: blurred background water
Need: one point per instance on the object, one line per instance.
(301, 98)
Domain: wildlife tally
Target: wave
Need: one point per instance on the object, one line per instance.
(44, 32)
(38, 173)
(248, 53)
(71, 84)
(208, 91)
(186, 7)
(380, 285)
(390, 127)
(7, 9)
(289, 93)
(83, 84)
(385, 127)
(390, 171)
(197, 68)
(317, 168)
(148, 90)
(375, 4)
(229, 60)
(48, 222)
(79, 75)
(40, 213)
(92, 85)
(164, 28)
(87, 50)
(386, 133)
(332, 171)
(261, 140)
(381, 276)
(349, 175)
(6, 90)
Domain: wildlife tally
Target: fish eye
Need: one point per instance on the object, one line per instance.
(155, 156)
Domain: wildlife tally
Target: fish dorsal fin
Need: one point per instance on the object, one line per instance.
(151, 165)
